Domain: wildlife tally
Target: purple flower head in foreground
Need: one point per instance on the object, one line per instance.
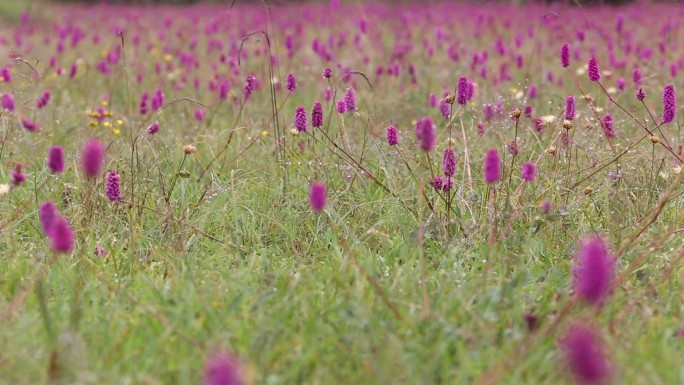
(669, 104)
(300, 119)
(317, 196)
(153, 128)
(317, 115)
(5, 75)
(492, 166)
(425, 133)
(565, 55)
(113, 187)
(640, 95)
(291, 82)
(47, 212)
(43, 100)
(585, 355)
(608, 128)
(463, 91)
(449, 162)
(222, 369)
(18, 177)
(341, 108)
(350, 99)
(593, 70)
(529, 171)
(199, 114)
(392, 137)
(61, 236)
(545, 206)
(55, 159)
(29, 125)
(327, 73)
(92, 157)
(570, 108)
(593, 271)
(8, 102)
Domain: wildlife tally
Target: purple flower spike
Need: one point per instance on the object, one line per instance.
(92, 158)
(317, 115)
(113, 187)
(300, 119)
(222, 369)
(585, 355)
(449, 162)
(317, 196)
(47, 213)
(350, 99)
(392, 137)
(565, 55)
(291, 83)
(529, 171)
(593, 70)
(669, 104)
(594, 270)
(570, 108)
(425, 133)
(55, 159)
(492, 166)
(61, 236)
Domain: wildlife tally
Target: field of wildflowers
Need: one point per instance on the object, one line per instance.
(341, 192)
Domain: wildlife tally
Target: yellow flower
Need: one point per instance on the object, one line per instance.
(108, 113)
(264, 133)
(119, 122)
(116, 131)
(106, 123)
(104, 103)
(168, 57)
(94, 123)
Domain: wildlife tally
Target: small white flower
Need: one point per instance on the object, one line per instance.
(548, 119)
(4, 189)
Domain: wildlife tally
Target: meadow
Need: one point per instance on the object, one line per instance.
(341, 193)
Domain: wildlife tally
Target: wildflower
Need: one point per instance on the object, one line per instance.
(43, 100)
(437, 183)
(593, 70)
(18, 177)
(199, 114)
(425, 133)
(636, 77)
(291, 83)
(568, 125)
(8, 102)
(669, 104)
(492, 166)
(585, 355)
(528, 111)
(445, 109)
(55, 159)
(143, 103)
(300, 119)
(189, 149)
(350, 99)
(100, 251)
(565, 55)
(608, 128)
(222, 369)
(392, 137)
(92, 157)
(432, 100)
(515, 114)
(449, 162)
(640, 95)
(47, 212)
(29, 125)
(317, 115)
(464, 91)
(327, 73)
(570, 108)
(545, 206)
(654, 139)
(529, 171)
(5, 75)
(594, 270)
(153, 128)
(61, 236)
(539, 124)
(113, 187)
(317, 196)
(513, 148)
(551, 150)
(548, 119)
(341, 107)
(250, 85)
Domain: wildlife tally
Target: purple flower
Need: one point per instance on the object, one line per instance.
(223, 90)
(44, 99)
(199, 114)
(445, 109)
(350, 99)
(425, 133)
(341, 107)
(437, 183)
(153, 128)
(621, 84)
(291, 83)
(640, 95)
(250, 85)
(593, 70)
(492, 166)
(532, 92)
(570, 108)
(392, 137)
(61, 236)
(55, 159)
(92, 157)
(593, 271)
(327, 73)
(513, 148)
(608, 128)
(47, 213)
(113, 187)
(528, 111)
(432, 100)
(100, 251)
(300, 119)
(317, 196)
(545, 206)
(669, 104)
(463, 90)
(565, 55)
(449, 162)
(8, 102)
(5, 75)
(585, 355)
(529, 171)
(222, 369)
(636, 77)
(29, 125)
(18, 178)
(143, 103)
(317, 115)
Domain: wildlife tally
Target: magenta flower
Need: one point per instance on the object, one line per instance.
(55, 159)
(317, 115)
(143, 103)
(449, 162)
(100, 251)
(223, 90)
(317, 196)
(392, 137)
(341, 106)
(608, 128)
(545, 206)
(593, 70)
(327, 73)
(300, 119)
(92, 157)
(669, 104)
(43, 100)
(445, 109)
(8, 102)
(529, 171)
(250, 85)
(463, 91)
(594, 270)
(222, 369)
(291, 82)
(640, 95)
(565, 55)
(350, 99)
(570, 108)
(153, 128)
(425, 133)
(47, 213)
(29, 125)
(61, 236)
(199, 114)
(18, 178)
(492, 166)
(113, 186)
(513, 148)
(585, 355)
